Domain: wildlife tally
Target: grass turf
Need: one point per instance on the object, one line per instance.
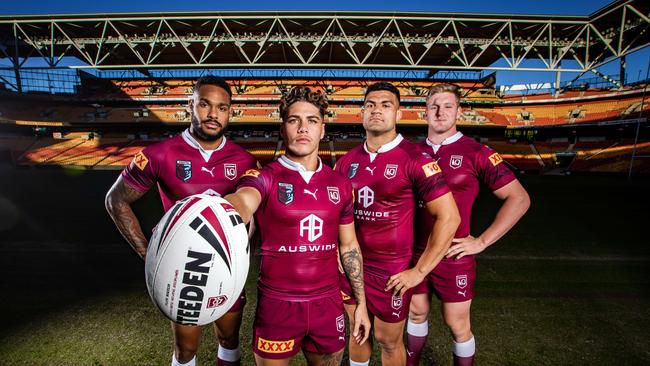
(568, 285)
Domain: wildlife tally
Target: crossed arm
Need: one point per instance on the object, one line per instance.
(447, 220)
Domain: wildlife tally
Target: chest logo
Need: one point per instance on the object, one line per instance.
(353, 170)
(456, 161)
(372, 171)
(311, 227)
(366, 197)
(230, 171)
(334, 195)
(209, 171)
(183, 170)
(313, 194)
(391, 171)
(285, 193)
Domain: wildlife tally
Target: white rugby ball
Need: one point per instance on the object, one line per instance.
(197, 260)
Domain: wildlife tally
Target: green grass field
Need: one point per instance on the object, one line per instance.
(568, 286)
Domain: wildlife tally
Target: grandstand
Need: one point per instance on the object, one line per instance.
(96, 115)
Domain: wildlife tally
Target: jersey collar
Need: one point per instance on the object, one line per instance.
(304, 173)
(206, 154)
(385, 147)
(448, 141)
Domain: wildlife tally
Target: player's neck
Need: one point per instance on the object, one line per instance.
(207, 145)
(438, 138)
(376, 141)
(310, 162)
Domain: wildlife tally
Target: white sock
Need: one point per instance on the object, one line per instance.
(417, 330)
(355, 363)
(191, 362)
(465, 349)
(230, 355)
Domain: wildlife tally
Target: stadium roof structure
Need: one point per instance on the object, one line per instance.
(417, 41)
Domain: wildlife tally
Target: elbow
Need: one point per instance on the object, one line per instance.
(110, 203)
(524, 202)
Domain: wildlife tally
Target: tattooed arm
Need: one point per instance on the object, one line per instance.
(350, 255)
(118, 204)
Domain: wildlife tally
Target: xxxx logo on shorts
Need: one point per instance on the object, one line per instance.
(274, 346)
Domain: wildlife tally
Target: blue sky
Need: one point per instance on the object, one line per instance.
(637, 63)
(578, 7)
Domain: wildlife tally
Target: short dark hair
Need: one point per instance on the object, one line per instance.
(303, 94)
(445, 88)
(383, 85)
(212, 80)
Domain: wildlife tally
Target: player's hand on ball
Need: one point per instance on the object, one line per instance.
(465, 246)
(403, 281)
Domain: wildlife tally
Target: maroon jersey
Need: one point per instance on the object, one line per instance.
(465, 163)
(387, 185)
(299, 218)
(181, 167)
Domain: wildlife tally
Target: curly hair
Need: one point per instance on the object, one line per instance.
(212, 80)
(445, 88)
(303, 94)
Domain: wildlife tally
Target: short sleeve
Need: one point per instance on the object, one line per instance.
(259, 180)
(491, 168)
(140, 174)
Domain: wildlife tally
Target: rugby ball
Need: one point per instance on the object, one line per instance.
(197, 260)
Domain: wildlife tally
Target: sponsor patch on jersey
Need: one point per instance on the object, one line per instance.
(285, 193)
(140, 160)
(391, 171)
(431, 169)
(183, 170)
(251, 173)
(495, 159)
(334, 195)
(456, 161)
(275, 346)
(230, 171)
(353, 170)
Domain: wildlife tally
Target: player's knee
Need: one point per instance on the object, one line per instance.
(418, 312)
(388, 343)
(230, 341)
(460, 327)
(184, 354)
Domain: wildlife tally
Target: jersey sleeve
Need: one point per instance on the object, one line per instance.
(427, 178)
(141, 173)
(492, 170)
(259, 180)
(347, 199)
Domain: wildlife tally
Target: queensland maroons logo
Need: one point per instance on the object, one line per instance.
(230, 171)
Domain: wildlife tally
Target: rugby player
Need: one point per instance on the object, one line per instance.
(303, 210)
(200, 160)
(465, 164)
(389, 174)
